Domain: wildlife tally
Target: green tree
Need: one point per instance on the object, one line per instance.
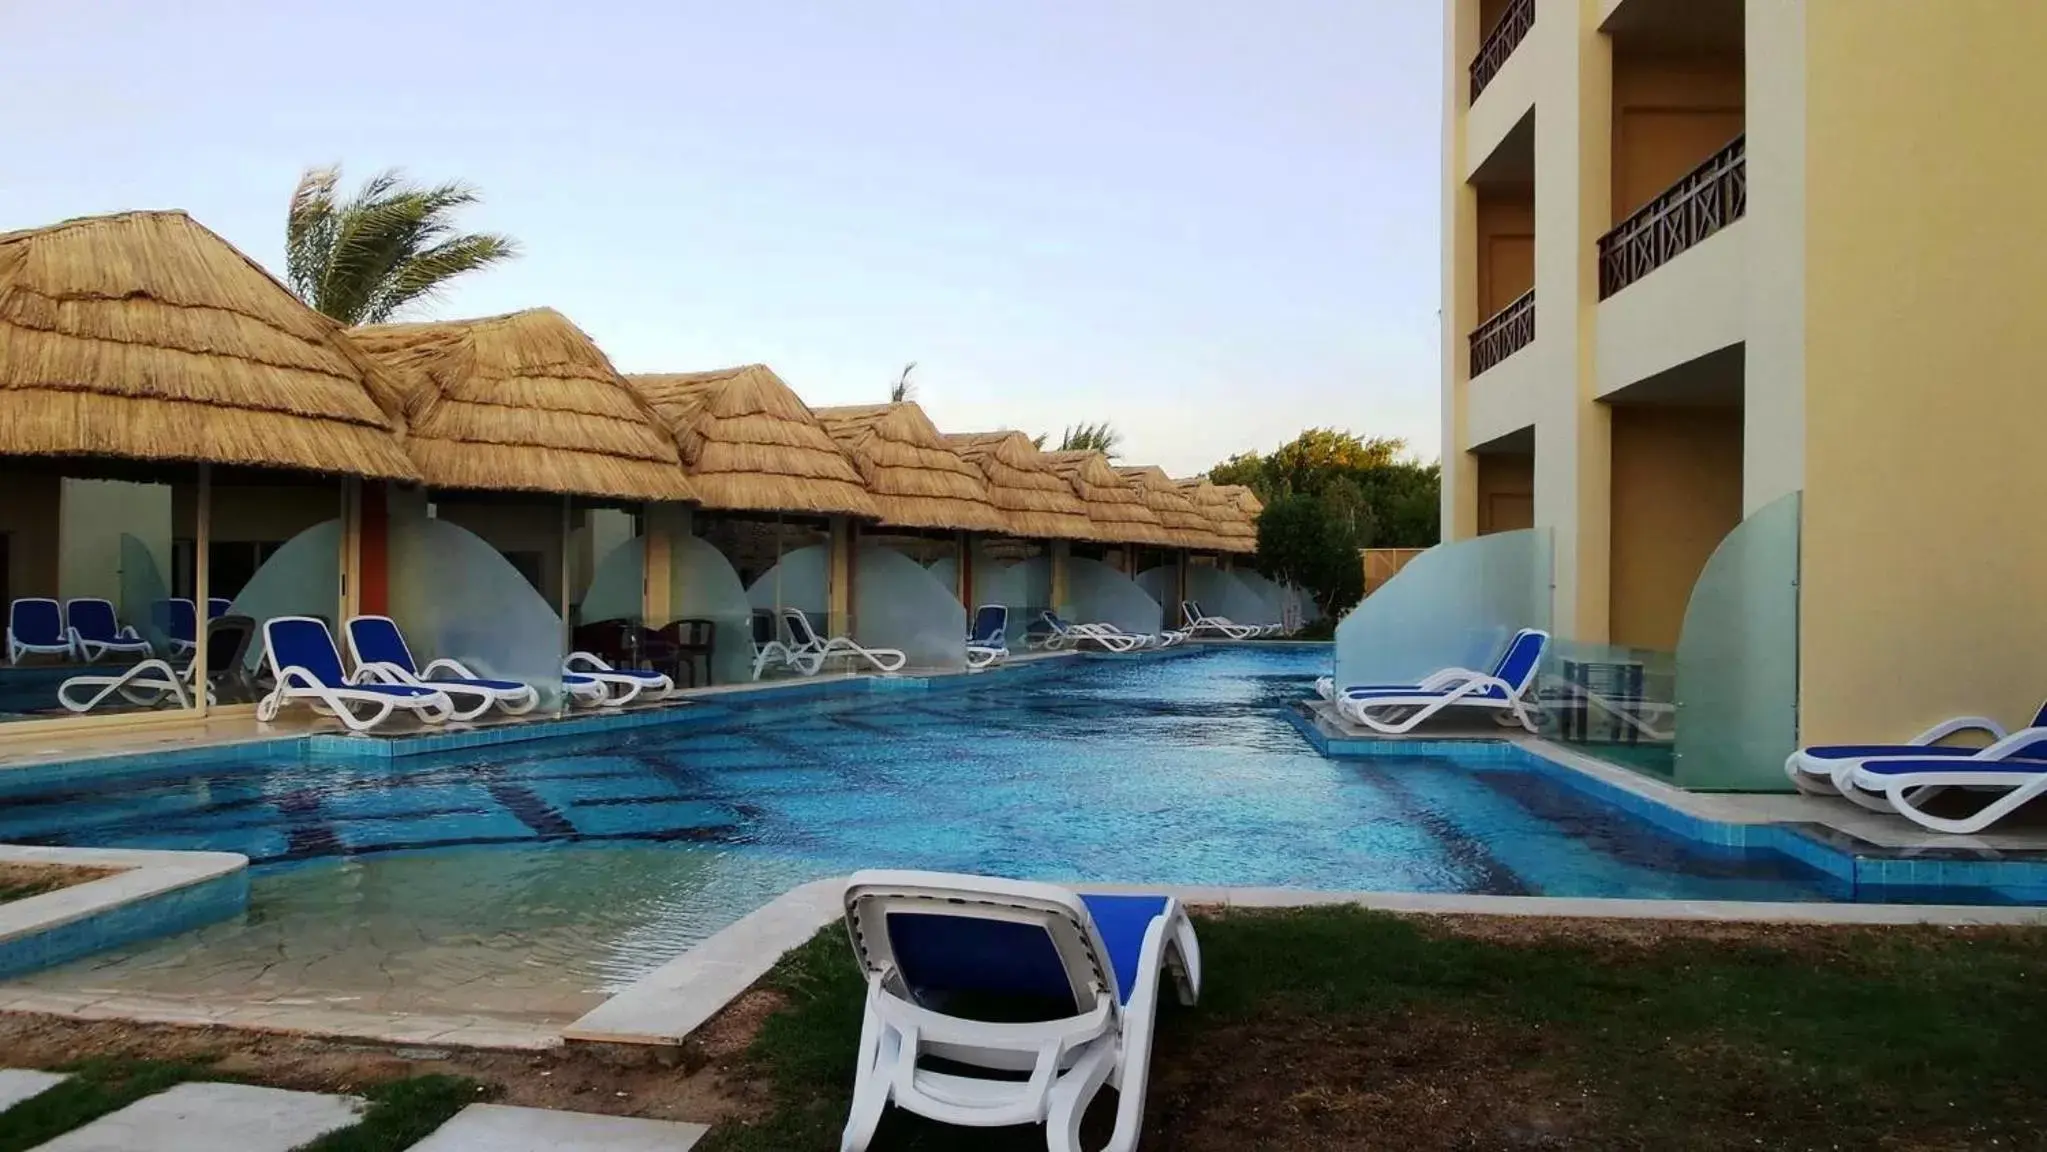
(1313, 541)
(1101, 437)
(363, 259)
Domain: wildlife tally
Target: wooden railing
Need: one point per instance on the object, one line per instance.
(1508, 331)
(1500, 43)
(1705, 200)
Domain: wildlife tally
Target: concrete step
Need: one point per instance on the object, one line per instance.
(16, 1086)
(213, 1118)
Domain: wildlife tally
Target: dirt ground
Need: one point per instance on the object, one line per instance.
(20, 881)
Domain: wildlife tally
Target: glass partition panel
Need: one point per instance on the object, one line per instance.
(802, 580)
(1272, 600)
(454, 596)
(1611, 701)
(608, 566)
(998, 583)
(946, 570)
(1030, 581)
(1099, 594)
(526, 530)
(898, 604)
(704, 586)
(97, 610)
(1221, 594)
(1162, 583)
(1455, 605)
(302, 577)
(1737, 658)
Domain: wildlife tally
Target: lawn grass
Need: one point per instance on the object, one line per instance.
(1339, 1028)
(400, 1112)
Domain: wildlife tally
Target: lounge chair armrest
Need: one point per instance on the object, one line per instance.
(450, 665)
(1444, 678)
(1947, 728)
(939, 1028)
(2020, 739)
(379, 672)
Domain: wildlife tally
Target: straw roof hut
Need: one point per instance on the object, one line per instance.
(1187, 525)
(915, 477)
(523, 403)
(1119, 514)
(1022, 484)
(145, 336)
(1225, 518)
(1247, 500)
(750, 444)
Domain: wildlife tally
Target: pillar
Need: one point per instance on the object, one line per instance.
(1062, 551)
(666, 524)
(839, 578)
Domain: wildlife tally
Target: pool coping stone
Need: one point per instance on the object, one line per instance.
(154, 893)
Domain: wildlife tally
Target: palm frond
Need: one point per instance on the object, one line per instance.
(389, 245)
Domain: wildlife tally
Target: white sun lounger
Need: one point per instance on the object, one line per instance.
(808, 651)
(988, 643)
(1198, 622)
(1813, 770)
(2015, 766)
(381, 655)
(1098, 963)
(307, 667)
(153, 682)
(1063, 633)
(1504, 691)
(589, 680)
(768, 649)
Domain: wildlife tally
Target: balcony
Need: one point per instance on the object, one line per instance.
(1702, 202)
(1506, 35)
(1508, 331)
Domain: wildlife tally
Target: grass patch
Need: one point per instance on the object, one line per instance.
(402, 1113)
(1338, 1028)
(21, 881)
(96, 1087)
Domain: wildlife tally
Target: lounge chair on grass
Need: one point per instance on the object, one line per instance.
(583, 671)
(988, 643)
(1813, 770)
(1504, 691)
(808, 651)
(94, 631)
(2015, 766)
(1093, 968)
(1197, 622)
(382, 656)
(768, 649)
(307, 666)
(35, 627)
(153, 683)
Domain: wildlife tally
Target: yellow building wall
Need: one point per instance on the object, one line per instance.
(1506, 492)
(1924, 553)
(1676, 494)
(1669, 114)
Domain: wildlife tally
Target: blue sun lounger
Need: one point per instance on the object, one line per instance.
(381, 654)
(307, 667)
(35, 627)
(1095, 967)
(1504, 691)
(1823, 769)
(2015, 766)
(989, 640)
(94, 631)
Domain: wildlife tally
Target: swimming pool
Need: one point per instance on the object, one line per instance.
(532, 877)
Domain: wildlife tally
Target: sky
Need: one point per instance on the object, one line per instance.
(1211, 222)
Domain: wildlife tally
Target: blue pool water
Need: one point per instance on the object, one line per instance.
(596, 858)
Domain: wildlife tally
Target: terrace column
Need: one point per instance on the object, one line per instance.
(839, 576)
(1061, 551)
(666, 523)
(964, 568)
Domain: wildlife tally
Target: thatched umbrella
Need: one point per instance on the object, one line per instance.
(524, 403)
(147, 337)
(1225, 517)
(1185, 523)
(915, 477)
(1119, 514)
(750, 444)
(1021, 482)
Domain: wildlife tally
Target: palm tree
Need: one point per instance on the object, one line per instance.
(393, 243)
(902, 389)
(1101, 438)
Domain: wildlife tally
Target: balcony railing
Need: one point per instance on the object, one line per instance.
(1500, 43)
(1508, 331)
(1707, 199)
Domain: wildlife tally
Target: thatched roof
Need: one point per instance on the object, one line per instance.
(1188, 526)
(523, 403)
(915, 477)
(1246, 499)
(1021, 482)
(1225, 516)
(147, 337)
(1119, 514)
(750, 444)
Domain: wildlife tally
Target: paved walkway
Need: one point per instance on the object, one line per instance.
(201, 1117)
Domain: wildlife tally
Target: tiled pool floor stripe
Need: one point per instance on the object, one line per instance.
(1485, 872)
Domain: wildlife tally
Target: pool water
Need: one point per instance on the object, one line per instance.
(533, 877)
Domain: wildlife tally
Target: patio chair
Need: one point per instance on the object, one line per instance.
(808, 651)
(218, 606)
(94, 631)
(307, 667)
(177, 620)
(1197, 622)
(989, 640)
(2014, 767)
(1812, 770)
(1065, 633)
(768, 649)
(589, 679)
(35, 627)
(1093, 967)
(382, 656)
(1504, 691)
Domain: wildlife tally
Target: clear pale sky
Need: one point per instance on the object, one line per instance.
(1212, 222)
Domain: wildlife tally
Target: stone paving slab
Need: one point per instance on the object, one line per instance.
(213, 1118)
(501, 1128)
(16, 1085)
